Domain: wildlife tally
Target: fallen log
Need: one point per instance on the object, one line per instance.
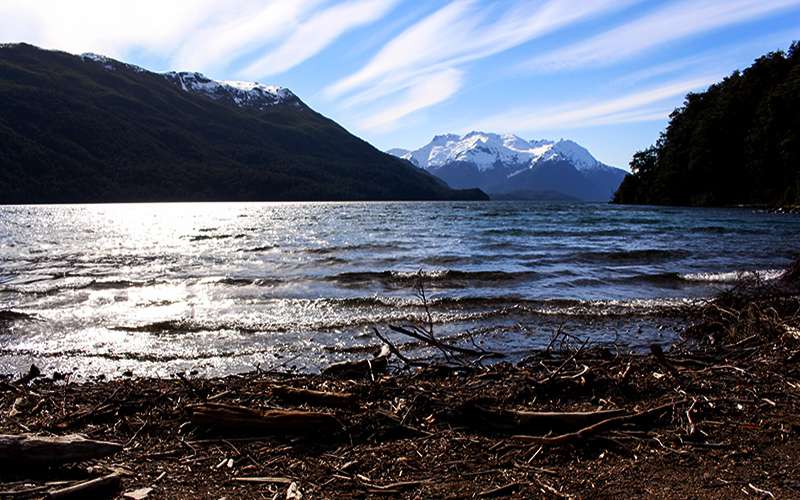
(25, 449)
(102, 487)
(600, 426)
(241, 420)
(531, 422)
(312, 397)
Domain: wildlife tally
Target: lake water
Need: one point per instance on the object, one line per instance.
(223, 288)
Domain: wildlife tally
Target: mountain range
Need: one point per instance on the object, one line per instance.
(507, 166)
(80, 129)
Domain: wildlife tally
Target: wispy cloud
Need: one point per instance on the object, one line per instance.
(316, 33)
(200, 35)
(221, 40)
(471, 32)
(99, 25)
(424, 92)
(672, 22)
(644, 105)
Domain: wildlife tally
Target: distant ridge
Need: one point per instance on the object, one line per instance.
(508, 166)
(78, 129)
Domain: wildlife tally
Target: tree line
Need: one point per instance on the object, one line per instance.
(736, 143)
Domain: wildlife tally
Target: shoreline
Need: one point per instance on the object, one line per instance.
(715, 415)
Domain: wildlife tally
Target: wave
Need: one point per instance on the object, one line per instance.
(451, 278)
(733, 276)
(7, 316)
(203, 237)
(184, 326)
(263, 248)
(231, 281)
(468, 312)
(676, 279)
(374, 247)
(557, 233)
(89, 285)
(725, 230)
(630, 256)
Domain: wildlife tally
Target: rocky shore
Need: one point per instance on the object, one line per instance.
(716, 415)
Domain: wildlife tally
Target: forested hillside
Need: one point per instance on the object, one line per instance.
(736, 143)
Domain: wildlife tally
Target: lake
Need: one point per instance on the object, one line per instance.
(224, 288)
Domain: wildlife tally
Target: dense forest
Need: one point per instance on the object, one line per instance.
(736, 143)
(74, 130)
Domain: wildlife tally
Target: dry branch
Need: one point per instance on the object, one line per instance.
(600, 426)
(102, 487)
(322, 398)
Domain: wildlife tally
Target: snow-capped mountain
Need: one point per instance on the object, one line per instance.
(503, 164)
(90, 129)
(243, 94)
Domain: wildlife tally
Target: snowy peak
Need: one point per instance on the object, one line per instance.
(488, 151)
(576, 154)
(509, 166)
(242, 94)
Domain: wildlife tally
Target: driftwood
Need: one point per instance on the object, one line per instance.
(264, 480)
(102, 487)
(603, 425)
(322, 398)
(24, 449)
(238, 419)
(530, 422)
(364, 368)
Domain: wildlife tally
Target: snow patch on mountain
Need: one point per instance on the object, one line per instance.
(243, 94)
(399, 152)
(488, 151)
(109, 63)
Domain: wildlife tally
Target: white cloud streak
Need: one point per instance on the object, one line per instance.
(456, 34)
(222, 40)
(635, 107)
(97, 25)
(196, 35)
(313, 35)
(423, 93)
(675, 21)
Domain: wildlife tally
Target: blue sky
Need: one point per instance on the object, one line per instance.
(605, 73)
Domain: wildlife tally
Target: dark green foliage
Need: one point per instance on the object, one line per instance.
(74, 131)
(736, 143)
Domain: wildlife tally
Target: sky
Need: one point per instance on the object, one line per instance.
(605, 73)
